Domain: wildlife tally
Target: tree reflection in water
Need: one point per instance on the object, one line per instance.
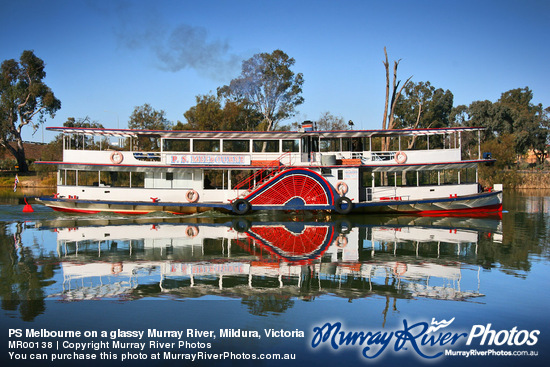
(23, 276)
(264, 304)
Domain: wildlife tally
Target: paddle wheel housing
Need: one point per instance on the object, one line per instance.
(295, 189)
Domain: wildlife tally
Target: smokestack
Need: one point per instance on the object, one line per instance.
(307, 125)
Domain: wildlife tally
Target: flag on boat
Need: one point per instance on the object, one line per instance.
(15, 184)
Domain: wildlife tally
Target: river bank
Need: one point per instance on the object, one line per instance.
(29, 180)
(533, 180)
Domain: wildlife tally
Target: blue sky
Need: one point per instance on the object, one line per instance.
(103, 58)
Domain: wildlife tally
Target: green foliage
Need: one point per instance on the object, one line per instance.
(500, 150)
(513, 114)
(502, 170)
(85, 122)
(269, 86)
(147, 118)
(209, 114)
(24, 100)
(7, 164)
(434, 105)
(205, 115)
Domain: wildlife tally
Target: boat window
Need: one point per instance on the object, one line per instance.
(393, 143)
(215, 179)
(405, 178)
(330, 144)
(206, 145)
(120, 179)
(449, 176)
(149, 143)
(378, 176)
(346, 144)
(436, 141)
(400, 178)
(468, 175)
(366, 178)
(265, 146)
(357, 145)
(177, 145)
(418, 142)
(70, 177)
(137, 179)
(238, 176)
(376, 144)
(156, 180)
(310, 144)
(326, 171)
(390, 179)
(291, 145)
(410, 179)
(105, 178)
(236, 146)
(428, 178)
(88, 178)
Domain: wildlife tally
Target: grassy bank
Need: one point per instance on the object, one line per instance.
(30, 179)
(533, 180)
(514, 179)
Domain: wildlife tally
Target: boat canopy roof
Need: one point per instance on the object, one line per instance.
(182, 134)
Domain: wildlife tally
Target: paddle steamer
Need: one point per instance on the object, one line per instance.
(424, 171)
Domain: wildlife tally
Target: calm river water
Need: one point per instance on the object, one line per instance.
(276, 289)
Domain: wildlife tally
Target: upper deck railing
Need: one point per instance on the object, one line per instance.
(302, 148)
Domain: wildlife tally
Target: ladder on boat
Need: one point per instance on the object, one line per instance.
(261, 176)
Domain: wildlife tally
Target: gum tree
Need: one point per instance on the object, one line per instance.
(269, 86)
(145, 117)
(24, 100)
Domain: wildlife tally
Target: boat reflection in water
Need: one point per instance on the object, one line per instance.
(272, 262)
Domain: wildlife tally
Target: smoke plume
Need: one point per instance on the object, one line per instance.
(177, 47)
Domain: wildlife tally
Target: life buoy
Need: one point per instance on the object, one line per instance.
(341, 188)
(117, 157)
(341, 241)
(192, 196)
(400, 157)
(116, 268)
(191, 231)
(400, 268)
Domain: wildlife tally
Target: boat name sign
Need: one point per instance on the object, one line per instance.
(202, 159)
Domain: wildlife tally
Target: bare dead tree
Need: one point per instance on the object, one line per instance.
(387, 67)
(413, 140)
(388, 122)
(389, 119)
